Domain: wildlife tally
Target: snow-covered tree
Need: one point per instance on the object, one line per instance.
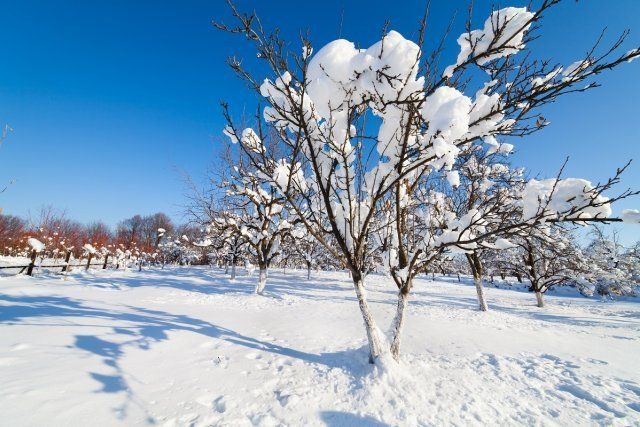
(260, 218)
(612, 269)
(360, 133)
(307, 247)
(547, 257)
(484, 182)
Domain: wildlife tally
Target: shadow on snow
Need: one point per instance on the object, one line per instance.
(137, 327)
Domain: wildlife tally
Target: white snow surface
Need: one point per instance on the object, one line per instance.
(187, 346)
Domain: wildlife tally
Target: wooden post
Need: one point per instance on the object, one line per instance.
(66, 261)
(32, 263)
(89, 261)
(106, 258)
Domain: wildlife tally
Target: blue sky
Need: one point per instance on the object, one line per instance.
(110, 100)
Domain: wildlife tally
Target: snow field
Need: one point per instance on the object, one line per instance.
(187, 346)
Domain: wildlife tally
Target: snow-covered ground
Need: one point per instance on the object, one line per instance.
(186, 346)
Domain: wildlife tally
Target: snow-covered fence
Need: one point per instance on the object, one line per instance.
(19, 266)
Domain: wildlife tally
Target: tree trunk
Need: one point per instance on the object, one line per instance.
(233, 271)
(539, 299)
(476, 268)
(262, 280)
(482, 302)
(66, 262)
(308, 271)
(398, 323)
(89, 262)
(32, 263)
(106, 259)
(369, 322)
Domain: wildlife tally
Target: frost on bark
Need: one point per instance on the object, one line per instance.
(398, 324)
(262, 281)
(367, 317)
(539, 299)
(482, 302)
(477, 270)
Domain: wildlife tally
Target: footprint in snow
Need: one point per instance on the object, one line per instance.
(253, 356)
(597, 362)
(221, 361)
(214, 402)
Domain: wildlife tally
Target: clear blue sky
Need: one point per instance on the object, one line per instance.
(110, 99)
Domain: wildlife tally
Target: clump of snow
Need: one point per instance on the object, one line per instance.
(454, 178)
(632, 55)
(228, 131)
(631, 216)
(571, 195)
(496, 147)
(35, 244)
(307, 50)
(340, 72)
(503, 244)
(543, 80)
(252, 141)
(447, 112)
(575, 69)
(89, 249)
(504, 29)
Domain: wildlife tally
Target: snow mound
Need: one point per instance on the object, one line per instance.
(36, 244)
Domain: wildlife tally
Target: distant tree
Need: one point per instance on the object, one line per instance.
(129, 231)
(149, 229)
(98, 234)
(12, 231)
(548, 257)
(612, 269)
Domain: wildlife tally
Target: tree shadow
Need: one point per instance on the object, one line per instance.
(214, 282)
(138, 327)
(345, 419)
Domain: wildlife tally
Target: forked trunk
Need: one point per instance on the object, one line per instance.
(482, 302)
(369, 321)
(398, 323)
(262, 281)
(539, 299)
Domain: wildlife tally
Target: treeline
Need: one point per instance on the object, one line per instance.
(59, 233)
